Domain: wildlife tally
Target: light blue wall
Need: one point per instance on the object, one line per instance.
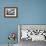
(29, 12)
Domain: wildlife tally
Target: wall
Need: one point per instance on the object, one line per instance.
(29, 12)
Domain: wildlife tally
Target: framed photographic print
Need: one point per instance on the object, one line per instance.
(33, 32)
(10, 12)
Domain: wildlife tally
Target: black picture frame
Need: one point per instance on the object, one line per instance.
(10, 12)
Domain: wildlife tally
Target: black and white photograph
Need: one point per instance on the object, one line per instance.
(33, 32)
(10, 11)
